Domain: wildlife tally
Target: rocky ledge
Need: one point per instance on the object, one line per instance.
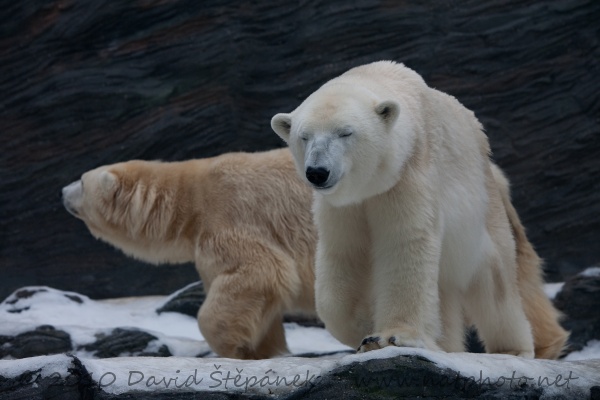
(387, 373)
(128, 362)
(90, 83)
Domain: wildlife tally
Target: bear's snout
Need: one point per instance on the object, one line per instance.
(71, 197)
(317, 176)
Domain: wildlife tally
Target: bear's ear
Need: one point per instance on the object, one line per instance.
(388, 111)
(282, 124)
(108, 181)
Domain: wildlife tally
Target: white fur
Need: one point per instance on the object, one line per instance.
(412, 231)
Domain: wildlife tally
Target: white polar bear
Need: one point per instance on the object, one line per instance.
(413, 235)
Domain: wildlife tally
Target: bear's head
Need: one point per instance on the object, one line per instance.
(342, 139)
(128, 206)
(92, 198)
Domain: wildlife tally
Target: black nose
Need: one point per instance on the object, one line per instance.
(317, 176)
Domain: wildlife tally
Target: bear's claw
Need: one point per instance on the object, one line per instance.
(395, 337)
(370, 340)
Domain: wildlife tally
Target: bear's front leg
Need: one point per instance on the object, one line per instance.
(239, 321)
(249, 283)
(406, 248)
(343, 272)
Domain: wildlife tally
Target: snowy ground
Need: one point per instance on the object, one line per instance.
(284, 375)
(85, 318)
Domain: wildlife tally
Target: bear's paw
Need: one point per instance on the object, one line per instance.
(399, 337)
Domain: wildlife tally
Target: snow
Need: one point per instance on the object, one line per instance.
(591, 272)
(273, 376)
(47, 366)
(552, 289)
(303, 340)
(499, 369)
(590, 351)
(283, 375)
(86, 319)
(53, 307)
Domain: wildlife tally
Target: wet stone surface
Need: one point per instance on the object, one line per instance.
(174, 80)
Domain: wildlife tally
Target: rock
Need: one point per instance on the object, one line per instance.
(473, 343)
(579, 300)
(580, 296)
(387, 373)
(85, 86)
(304, 320)
(314, 354)
(125, 342)
(186, 300)
(46, 340)
(43, 340)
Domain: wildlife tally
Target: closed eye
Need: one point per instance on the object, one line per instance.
(345, 131)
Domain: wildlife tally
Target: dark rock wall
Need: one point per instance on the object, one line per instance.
(91, 82)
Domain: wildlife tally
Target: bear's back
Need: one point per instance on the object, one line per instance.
(261, 191)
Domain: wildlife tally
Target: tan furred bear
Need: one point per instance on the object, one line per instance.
(244, 219)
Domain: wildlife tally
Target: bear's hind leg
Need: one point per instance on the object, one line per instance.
(494, 305)
(453, 326)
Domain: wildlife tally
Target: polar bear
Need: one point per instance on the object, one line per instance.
(243, 218)
(414, 236)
